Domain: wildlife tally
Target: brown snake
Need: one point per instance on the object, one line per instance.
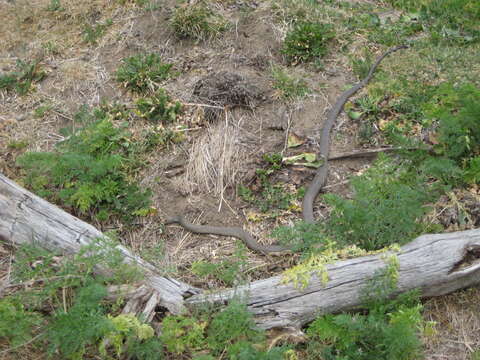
(317, 183)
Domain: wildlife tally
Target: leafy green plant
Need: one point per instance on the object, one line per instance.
(88, 172)
(456, 110)
(159, 107)
(83, 325)
(126, 331)
(21, 80)
(143, 72)
(182, 334)
(228, 271)
(307, 41)
(91, 33)
(270, 196)
(55, 5)
(388, 331)
(230, 326)
(370, 220)
(17, 324)
(72, 301)
(197, 22)
(289, 87)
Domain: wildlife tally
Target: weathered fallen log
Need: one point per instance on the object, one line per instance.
(437, 264)
(27, 218)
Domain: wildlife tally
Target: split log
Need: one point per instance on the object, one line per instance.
(27, 218)
(435, 264)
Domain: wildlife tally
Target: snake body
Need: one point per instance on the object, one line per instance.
(316, 185)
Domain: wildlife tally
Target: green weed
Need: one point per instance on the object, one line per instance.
(89, 171)
(143, 72)
(18, 145)
(42, 110)
(70, 298)
(197, 22)
(288, 86)
(182, 334)
(17, 325)
(388, 331)
(158, 108)
(228, 271)
(92, 33)
(230, 326)
(21, 80)
(370, 219)
(307, 41)
(55, 5)
(270, 196)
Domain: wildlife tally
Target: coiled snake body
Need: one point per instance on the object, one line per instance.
(316, 185)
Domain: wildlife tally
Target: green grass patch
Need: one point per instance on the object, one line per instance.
(307, 41)
(23, 78)
(289, 87)
(92, 33)
(227, 271)
(143, 72)
(197, 22)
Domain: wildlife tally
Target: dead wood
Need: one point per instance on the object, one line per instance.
(27, 218)
(436, 264)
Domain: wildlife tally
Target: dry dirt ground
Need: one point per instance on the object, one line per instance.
(197, 177)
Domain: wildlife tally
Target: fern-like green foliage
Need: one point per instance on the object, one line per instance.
(385, 209)
(244, 350)
(143, 72)
(73, 330)
(388, 331)
(84, 324)
(230, 326)
(17, 325)
(388, 204)
(89, 171)
(182, 334)
(127, 330)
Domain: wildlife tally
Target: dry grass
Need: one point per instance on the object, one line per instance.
(77, 74)
(215, 159)
(457, 325)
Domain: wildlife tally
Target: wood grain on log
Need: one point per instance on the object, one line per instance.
(27, 218)
(436, 264)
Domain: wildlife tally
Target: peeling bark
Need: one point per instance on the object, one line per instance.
(436, 264)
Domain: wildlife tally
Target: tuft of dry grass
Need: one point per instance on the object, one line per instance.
(215, 159)
(457, 330)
